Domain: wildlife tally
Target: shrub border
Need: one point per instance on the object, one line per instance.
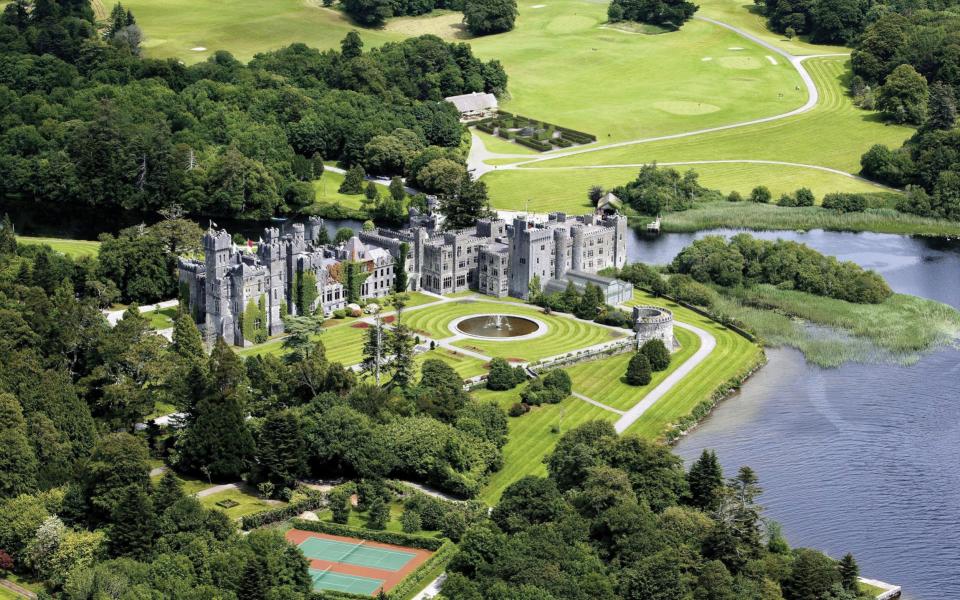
(386, 537)
(283, 513)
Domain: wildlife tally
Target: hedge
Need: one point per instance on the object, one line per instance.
(283, 513)
(334, 595)
(422, 575)
(485, 128)
(573, 133)
(562, 142)
(531, 143)
(387, 537)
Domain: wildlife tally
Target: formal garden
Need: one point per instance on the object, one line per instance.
(538, 135)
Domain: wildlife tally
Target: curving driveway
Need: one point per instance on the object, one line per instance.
(479, 154)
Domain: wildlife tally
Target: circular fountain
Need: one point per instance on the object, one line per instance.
(498, 327)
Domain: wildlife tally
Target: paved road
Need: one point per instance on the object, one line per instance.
(707, 344)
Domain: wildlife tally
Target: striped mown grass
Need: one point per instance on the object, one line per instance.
(732, 355)
(564, 335)
(72, 248)
(602, 380)
(343, 342)
(532, 436)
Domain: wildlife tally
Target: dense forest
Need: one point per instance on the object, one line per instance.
(88, 122)
(618, 518)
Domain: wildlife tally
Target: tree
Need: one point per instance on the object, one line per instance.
(339, 500)
(343, 234)
(804, 197)
(529, 501)
(187, 343)
(400, 282)
(903, 96)
(375, 348)
(253, 584)
(666, 13)
(352, 181)
(371, 193)
(351, 46)
(400, 345)
(18, 463)
(466, 205)
(484, 17)
(410, 521)
(760, 194)
(397, 190)
(638, 369)
(657, 354)
(590, 303)
(705, 480)
(812, 576)
(849, 573)
(368, 12)
(502, 376)
(594, 194)
(118, 461)
(134, 525)
(281, 449)
(168, 491)
(379, 513)
(942, 113)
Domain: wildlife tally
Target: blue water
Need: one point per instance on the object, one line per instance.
(863, 458)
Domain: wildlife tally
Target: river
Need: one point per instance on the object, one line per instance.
(862, 458)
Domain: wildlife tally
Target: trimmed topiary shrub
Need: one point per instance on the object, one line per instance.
(657, 354)
(638, 370)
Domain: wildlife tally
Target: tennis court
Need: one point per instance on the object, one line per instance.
(341, 582)
(354, 565)
(358, 554)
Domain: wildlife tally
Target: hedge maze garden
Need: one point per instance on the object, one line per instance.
(538, 135)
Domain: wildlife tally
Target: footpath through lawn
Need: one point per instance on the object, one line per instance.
(533, 436)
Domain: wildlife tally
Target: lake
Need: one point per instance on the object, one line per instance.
(863, 458)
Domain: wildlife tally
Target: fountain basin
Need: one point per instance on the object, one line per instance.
(498, 327)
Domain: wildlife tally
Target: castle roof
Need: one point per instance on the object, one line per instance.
(475, 102)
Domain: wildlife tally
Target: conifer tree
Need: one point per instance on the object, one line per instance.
(375, 348)
(8, 241)
(168, 491)
(400, 347)
(187, 342)
(706, 481)
(379, 514)
(849, 572)
(353, 181)
(638, 370)
(18, 463)
(134, 525)
(281, 449)
(253, 585)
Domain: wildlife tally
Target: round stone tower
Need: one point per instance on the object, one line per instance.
(653, 322)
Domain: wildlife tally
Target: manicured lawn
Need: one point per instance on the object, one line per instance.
(532, 437)
(564, 334)
(343, 342)
(360, 519)
(566, 189)
(243, 27)
(566, 68)
(603, 380)
(342, 338)
(248, 503)
(326, 188)
(732, 355)
(72, 248)
(834, 134)
(465, 366)
(161, 319)
(160, 409)
(873, 590)
(746, 16)
(500, 145)
(6, 594)
(190, 486)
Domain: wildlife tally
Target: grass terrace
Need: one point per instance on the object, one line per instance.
(162, 318)
(564, 335)
(327, 191)
(241, 503)
(72, 248)
(603, 380)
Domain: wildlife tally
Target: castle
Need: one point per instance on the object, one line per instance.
(233, 292)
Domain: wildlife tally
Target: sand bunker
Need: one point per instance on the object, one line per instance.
(706, 58)
(735, 48)
(199, 49)
(539, 6)
(772, 60)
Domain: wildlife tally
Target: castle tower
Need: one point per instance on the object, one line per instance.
(217, 247)
(561, 237)
(273, 254)
(620, 241)
(314, 227)
(576, 249)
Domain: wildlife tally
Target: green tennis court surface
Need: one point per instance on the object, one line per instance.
(340, 582)
(355, 554)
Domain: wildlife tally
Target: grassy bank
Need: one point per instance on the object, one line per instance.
(831, 332)
(765, 216)
(72, 248)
